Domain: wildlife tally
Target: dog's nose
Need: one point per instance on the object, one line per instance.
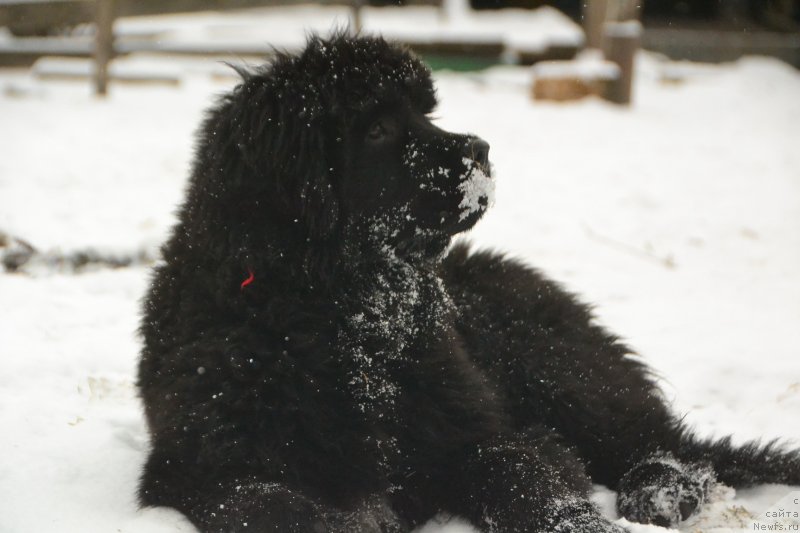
(478, 150)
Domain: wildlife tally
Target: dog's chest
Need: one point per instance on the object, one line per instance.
(392, 314)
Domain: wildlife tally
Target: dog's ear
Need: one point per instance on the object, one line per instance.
(282, 138)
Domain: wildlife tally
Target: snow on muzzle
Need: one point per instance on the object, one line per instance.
(475, 184)
(457, 168)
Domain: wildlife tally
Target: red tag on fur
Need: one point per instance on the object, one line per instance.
(248, 281)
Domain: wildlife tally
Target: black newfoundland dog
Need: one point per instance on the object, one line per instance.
(315, 359)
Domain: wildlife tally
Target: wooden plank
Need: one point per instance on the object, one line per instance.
(728, 45)
(13, 3)
(561, 52)
(624, 10)
(40, 18)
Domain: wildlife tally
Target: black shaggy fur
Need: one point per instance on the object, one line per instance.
(316, 360)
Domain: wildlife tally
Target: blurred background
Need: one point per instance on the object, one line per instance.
(646, 154)
(451, 33)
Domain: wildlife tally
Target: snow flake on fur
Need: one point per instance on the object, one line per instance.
(392, 302)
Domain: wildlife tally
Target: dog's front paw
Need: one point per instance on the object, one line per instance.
(581, 517)
(663, 491)
(262, 507)
(587, 524)
(374, 515)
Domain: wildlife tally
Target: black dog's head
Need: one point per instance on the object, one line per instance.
(413, 183)
(336, 144)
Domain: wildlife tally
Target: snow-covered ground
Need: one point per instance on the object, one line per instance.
(678, 218)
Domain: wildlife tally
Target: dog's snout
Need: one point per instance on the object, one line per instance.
(478, 150)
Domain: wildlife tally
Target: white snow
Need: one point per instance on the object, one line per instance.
(588, 65)
(477, 188)
(629, 29)
(678, 218)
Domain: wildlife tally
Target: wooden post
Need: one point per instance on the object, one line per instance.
(620, 43)
(104, 44)
(598, 12)
(594, 16)
(357, 25)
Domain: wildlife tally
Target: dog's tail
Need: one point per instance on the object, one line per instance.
(741, 466)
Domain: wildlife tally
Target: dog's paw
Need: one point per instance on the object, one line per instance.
(581, 517)
(586, 524)
(262, 507)
(663, 491)
(374, 515)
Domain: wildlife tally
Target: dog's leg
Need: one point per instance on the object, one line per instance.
(246, 505)
(557, 367)
(524, 483)
(217, 501)
(263, 507)
(373, 515)
(272, 508)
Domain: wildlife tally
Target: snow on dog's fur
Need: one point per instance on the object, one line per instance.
(316, 360)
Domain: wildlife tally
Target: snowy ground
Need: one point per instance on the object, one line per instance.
(678, 218)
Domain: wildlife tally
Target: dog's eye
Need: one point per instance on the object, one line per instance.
(383, 129)
(377, 131)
